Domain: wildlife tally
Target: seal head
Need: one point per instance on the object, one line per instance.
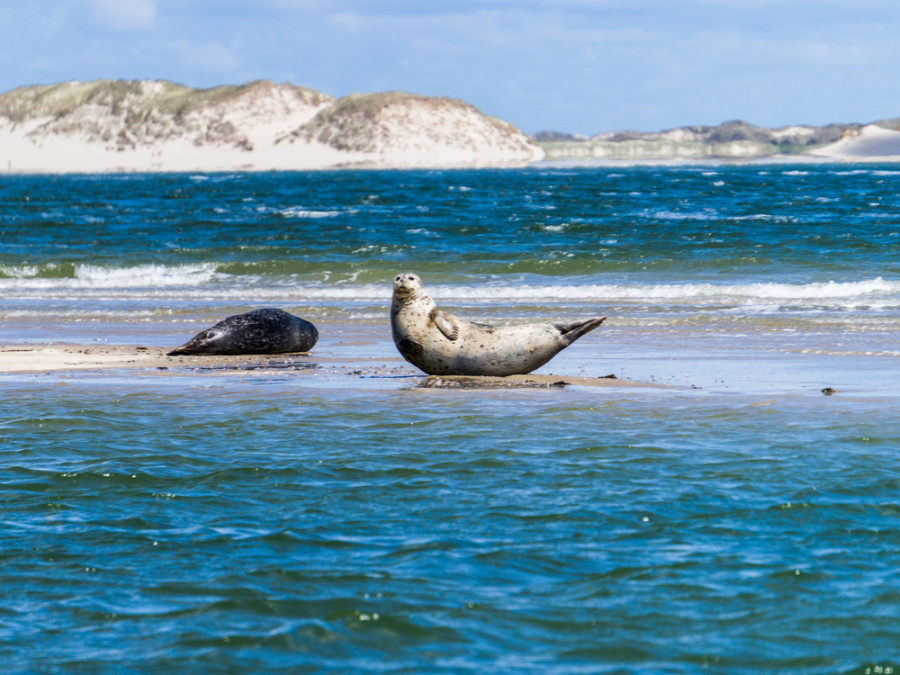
(262, 331)
(439, 343)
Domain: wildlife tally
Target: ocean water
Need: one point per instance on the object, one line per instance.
(730, 519)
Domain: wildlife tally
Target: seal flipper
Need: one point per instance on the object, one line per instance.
(570, 332)
(446, 323)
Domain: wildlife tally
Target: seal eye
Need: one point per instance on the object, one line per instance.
(411, 278)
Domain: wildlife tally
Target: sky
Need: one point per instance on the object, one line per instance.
(577, 66)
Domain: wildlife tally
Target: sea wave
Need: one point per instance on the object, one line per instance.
(875, 293)
(99, 276)
(207, 280)
(300, 212)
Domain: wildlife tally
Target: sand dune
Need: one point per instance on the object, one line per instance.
(114, 126)
(870, 143)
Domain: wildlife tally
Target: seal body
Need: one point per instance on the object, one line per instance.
(442, 344)
(262, 331)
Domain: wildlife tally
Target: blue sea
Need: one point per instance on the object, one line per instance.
(739, 512)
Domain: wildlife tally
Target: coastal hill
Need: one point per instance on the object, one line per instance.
(146, 125)
(730, 140)
(116, 125)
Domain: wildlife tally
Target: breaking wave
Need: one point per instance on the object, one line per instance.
(873, 293)
(71, 276)
(207, 280)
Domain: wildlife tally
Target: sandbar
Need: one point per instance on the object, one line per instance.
(70, 357)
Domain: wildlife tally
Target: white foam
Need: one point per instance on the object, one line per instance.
(98, 276)
(828, 293)
(203, 281)
(299, 212)
(20, 271)
(674, 215)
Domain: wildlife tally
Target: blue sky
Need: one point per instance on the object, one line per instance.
(580, 66)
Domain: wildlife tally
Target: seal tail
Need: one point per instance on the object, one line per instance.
(572, 331)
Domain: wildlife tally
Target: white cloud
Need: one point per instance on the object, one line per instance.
(125, 15)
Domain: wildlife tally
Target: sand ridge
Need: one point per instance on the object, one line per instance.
(67, 357)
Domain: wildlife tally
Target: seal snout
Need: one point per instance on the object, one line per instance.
(406, 283)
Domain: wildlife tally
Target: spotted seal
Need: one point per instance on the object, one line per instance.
(262, 331)
(441, 344)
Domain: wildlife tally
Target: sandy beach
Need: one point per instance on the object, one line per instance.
(870, 143)
(267, 127)
(133, 360)
(259, 127)
(67, 356)
(341, 367)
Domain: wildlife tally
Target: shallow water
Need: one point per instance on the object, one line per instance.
(449, 531)
(731, 520)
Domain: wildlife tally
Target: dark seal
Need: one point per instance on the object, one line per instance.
(262, 331)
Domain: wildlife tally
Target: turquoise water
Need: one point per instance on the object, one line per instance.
(733, 521)
(145, 530)
(649, 246)
(634, 225)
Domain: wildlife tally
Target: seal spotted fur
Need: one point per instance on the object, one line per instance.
(442, 344)
(262, 331)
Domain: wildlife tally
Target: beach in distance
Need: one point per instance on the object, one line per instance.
(707, 482)
(105, 126)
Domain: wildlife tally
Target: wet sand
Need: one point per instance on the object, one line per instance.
(69, 357)
(362, 356)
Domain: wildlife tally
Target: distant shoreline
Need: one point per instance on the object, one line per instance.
(155, 126)
(547, 163)
(866, 144)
